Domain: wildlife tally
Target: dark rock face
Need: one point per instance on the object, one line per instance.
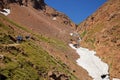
(58, 76)
(103, 76)
(2, 77)
(1, 5)
(37, 4)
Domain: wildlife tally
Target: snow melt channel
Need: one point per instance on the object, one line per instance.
(97, 69)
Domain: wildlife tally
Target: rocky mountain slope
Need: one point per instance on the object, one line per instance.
(33, 13)
(35, 58)
(26, 59)
(43, 53)
(101, 32)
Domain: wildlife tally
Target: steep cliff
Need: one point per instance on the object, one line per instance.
(37, 4)
(101, 32)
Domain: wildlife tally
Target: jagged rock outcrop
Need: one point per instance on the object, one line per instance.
(100, 32)
(3, 4)
(37, 4)
(59, 17)
(55, 75)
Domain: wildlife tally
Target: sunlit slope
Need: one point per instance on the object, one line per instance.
(100, 32)
(28, 60)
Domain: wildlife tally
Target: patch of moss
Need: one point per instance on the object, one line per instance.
(95, 29)
(83, 34)
(13, 23)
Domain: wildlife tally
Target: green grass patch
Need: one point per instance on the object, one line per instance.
(13, 23)
(95, 29)
(83, 34)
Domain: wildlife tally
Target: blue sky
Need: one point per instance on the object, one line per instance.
(76, 10)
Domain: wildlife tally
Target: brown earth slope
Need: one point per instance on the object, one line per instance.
(37, 21)
(101, 32)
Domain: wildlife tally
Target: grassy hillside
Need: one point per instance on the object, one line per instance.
(28, 60)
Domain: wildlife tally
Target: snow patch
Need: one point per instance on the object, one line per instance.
(71, 34)
(93, 64)
(5, 12)
(96, 68)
